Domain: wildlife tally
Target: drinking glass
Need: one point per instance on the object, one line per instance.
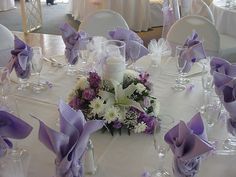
(180, 63)
(212, 109)
(134, 51)
(84, 54)
(37, 64)
(4, 85)
(160, 145)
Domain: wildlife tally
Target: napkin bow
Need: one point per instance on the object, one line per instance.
(131, 39)
(11, 127)
(222, 66)
(193, 51)
(72, 38)
(70, 143)
(188, 143)
(21, 56)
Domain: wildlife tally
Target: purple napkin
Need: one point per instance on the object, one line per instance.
(194, 51)
(188, 143)
(223, 72)
(229, 102)
(72, 38)
(22, 55)
(70, 143)
(130, 38)
(11, 127)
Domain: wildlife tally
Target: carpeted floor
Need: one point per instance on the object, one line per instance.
(53, 16)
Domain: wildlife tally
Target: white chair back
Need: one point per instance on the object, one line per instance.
(6, 45)
(102, 21)
(199, 7)
(207, 32)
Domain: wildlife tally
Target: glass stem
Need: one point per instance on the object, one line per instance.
(160, 162)
(38, 79)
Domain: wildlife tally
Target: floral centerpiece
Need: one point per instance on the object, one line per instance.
(126, 105)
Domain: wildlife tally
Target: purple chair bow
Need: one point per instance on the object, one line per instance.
(21, 57)
(130, 38)
(11, 127)
(72, 39)
(193, 52)
(188, 143)
(70, 143)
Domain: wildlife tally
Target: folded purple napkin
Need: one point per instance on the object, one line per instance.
(130, 38)
(71, 38)
(70, 143)
(11, 127)
(22, 55)
(223, 72)
(188, 143)
(193, 52)
(229, 102)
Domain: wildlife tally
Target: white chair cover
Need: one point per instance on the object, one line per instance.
(199, 7)
(6, 45)
(204, 28)
(7, 4)
(185, 7)
(102, 21)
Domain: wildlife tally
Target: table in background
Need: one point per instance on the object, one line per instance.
(7, 5)
(225, 17)
(140, 15)
(117, 156)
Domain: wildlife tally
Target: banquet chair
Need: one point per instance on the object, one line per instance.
(6, 45)
(101, 22)
(207, 32)
(214, 43)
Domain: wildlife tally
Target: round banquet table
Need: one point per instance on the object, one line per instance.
(7, 5)
(118, 155)
(137, 13)
(225, 17)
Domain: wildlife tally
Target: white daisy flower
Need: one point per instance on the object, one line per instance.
(82, 83)
(156, 108)
(140, 88)
(140, 127)
(111, 114)
(131, 73)
(97, 106)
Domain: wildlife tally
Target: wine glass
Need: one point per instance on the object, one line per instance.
(134, 52)
(161, 147)
(4, 85)
(180, 63)
(37, 65)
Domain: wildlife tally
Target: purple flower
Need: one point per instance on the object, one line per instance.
(150, 121)
(88, 94)
(94, 80)
(117, 124)
(143, 78)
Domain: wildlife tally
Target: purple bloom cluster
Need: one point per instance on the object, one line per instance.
(143, 78)
(88, 94)
(150, 121)
(94, 80)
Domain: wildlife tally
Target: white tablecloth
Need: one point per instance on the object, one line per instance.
(116, 156)
(7, 5)
(225, 17)
(137, 13)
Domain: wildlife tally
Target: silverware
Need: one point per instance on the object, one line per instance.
(53, 62)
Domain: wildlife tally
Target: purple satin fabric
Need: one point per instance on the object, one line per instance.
(130, 38)
(11, 127)
(72, 40)
(193, 53)
(70, 143)
(188, 143)
(168, 18)
(22, 55)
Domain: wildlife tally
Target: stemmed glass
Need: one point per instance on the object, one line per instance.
(134, 51)
(4, 85)
(181, 64)
(37, 65)
(161, 146)
(83, 54)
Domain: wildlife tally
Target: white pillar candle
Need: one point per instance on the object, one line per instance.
(114, 68)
